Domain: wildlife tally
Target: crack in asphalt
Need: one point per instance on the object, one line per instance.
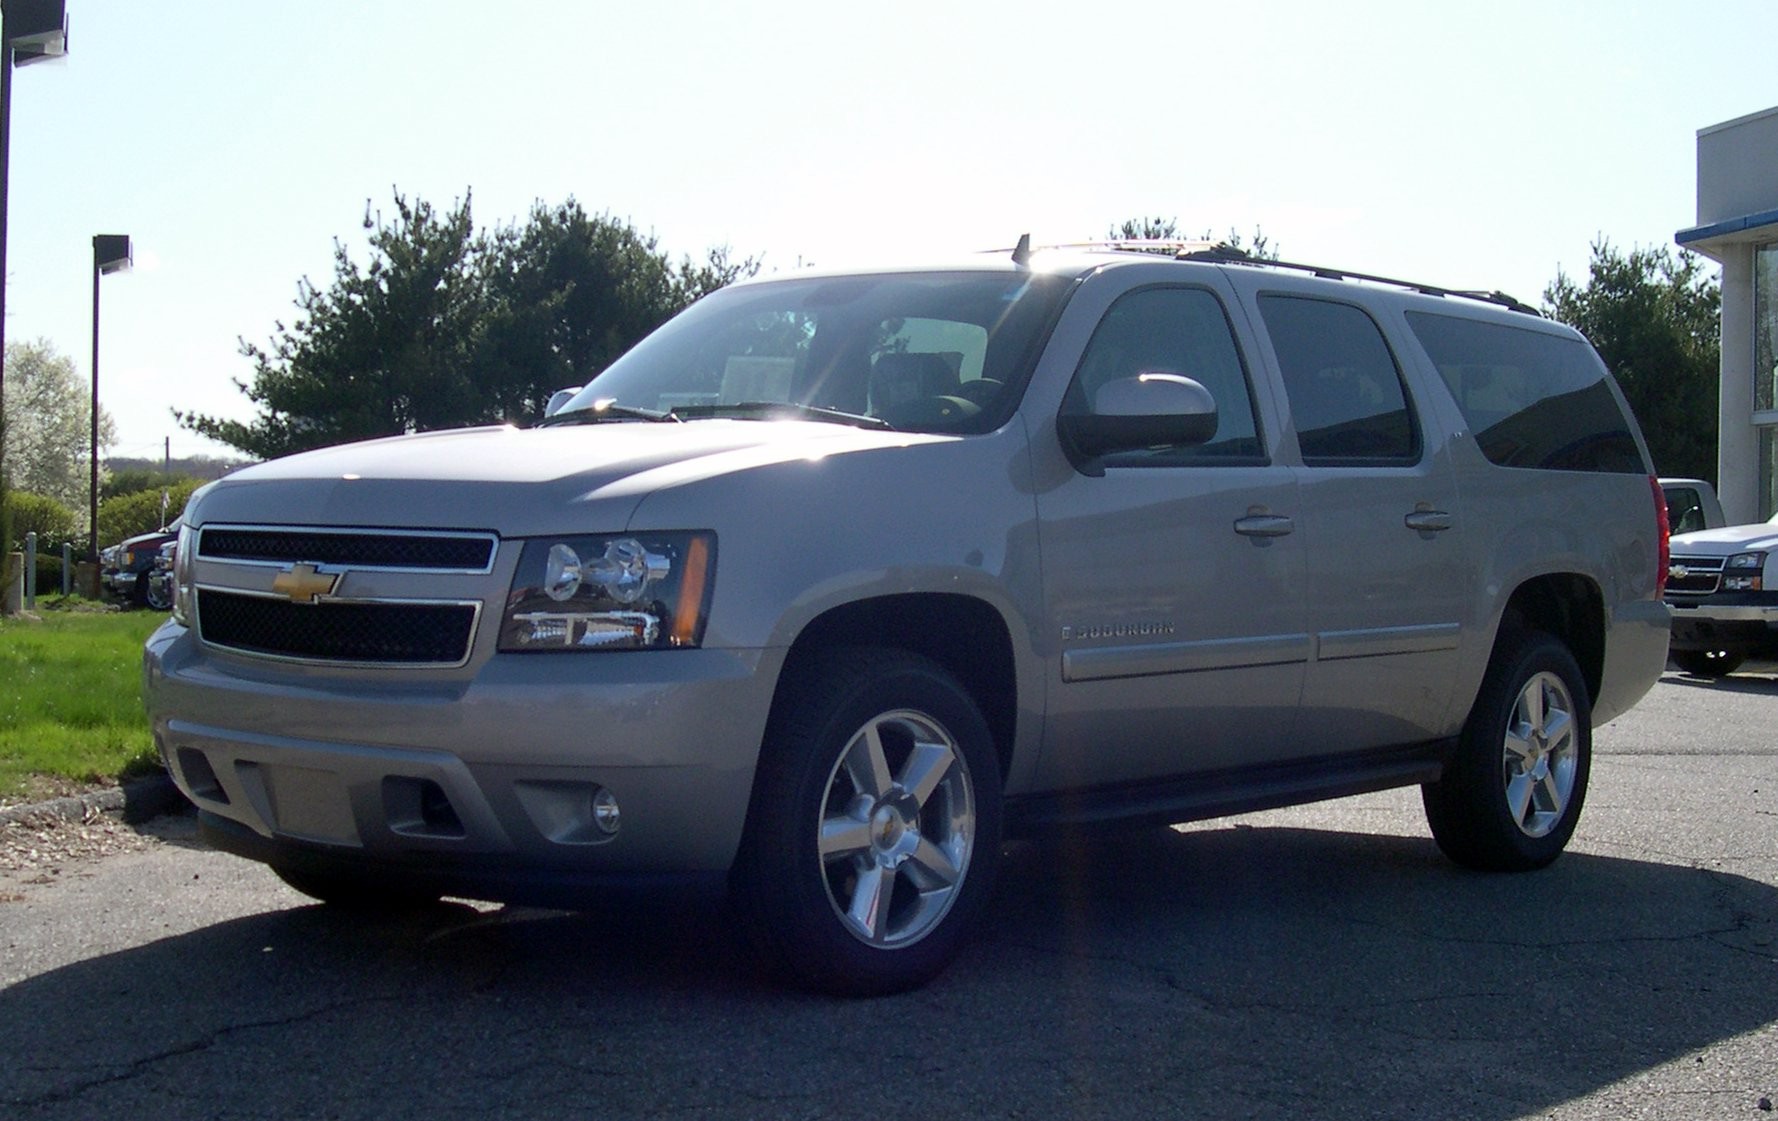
(144, 1065)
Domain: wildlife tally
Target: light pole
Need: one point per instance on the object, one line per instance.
(30, 31)
(111, 253)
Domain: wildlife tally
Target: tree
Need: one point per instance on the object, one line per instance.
(568, 293)
(128, 480)
(49, 424)
(143, 511)
(1167, 229)
(1655, 318)
(447, 326)
(52, 522)
(385, 350)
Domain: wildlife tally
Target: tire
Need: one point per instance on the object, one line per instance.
(139, 591)
(874, 830)
(1707, 663)
(353, 894)
(1511, 794)
(158, 601)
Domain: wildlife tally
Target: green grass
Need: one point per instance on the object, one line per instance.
(71, 698)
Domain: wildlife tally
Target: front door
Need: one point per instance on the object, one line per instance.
(1173, 580)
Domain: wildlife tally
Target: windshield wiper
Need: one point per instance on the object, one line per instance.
(606, 408)
(769, 410)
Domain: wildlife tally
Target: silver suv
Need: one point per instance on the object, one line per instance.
(836, 581)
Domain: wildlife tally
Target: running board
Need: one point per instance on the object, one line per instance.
(1222, 793)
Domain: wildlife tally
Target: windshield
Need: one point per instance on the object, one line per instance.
(921, 352)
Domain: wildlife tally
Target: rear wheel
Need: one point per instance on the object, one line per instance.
(1511, 795)
(1707, 663)
(875, 825)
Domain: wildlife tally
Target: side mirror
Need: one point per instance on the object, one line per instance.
(559, 398)
(1140, 412)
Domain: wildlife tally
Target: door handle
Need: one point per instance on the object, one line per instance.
(1264, 525)
(1428, 521)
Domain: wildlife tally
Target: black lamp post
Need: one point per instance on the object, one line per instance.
(30, 31)
(111, 253)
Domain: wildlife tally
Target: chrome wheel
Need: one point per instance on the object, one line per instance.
(1512, 789)
(897, 829)
(875, 825)
(1541, 754)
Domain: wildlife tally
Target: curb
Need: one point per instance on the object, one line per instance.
(135, 802)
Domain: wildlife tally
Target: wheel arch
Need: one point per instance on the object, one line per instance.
(964, 635)
(1569, 606)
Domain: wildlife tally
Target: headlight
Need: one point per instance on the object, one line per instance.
(1741, 572)
(615, 592)
(185, 559)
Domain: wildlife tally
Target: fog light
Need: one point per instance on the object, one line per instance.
(605, 811)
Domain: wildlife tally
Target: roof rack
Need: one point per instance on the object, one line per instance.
(1185, 249)
(1174, 246)
(1222, 255)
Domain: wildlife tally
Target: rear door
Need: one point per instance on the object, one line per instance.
(1387, 577)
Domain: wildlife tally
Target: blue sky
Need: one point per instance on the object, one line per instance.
(1473, 146)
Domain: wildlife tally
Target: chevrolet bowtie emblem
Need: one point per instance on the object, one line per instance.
(303, 584)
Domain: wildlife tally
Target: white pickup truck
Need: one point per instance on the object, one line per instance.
(1721, 584)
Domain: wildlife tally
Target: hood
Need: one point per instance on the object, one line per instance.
(517, 481)
(152, 537)
(1727, 539)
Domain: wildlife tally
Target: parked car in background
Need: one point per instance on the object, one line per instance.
(124, 568)
(160, 577)
(1691, 505)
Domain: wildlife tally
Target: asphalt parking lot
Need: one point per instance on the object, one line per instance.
(1317, 962)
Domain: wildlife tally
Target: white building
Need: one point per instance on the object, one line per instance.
(1738, 227)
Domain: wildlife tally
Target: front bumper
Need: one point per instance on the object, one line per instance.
(1743, 623)
(482, 786)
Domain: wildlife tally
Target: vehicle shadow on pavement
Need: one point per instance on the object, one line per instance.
(1750, 684)
(1218, 972)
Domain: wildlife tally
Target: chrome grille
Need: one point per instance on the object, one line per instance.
(1694, 576)
(432, 552)
(407, 634)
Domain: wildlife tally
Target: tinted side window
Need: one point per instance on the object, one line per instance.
(1173, 331)
(1345, 391)
(1532, 400)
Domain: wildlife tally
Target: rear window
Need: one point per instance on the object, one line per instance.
(1531, 399)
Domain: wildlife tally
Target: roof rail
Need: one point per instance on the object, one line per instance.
(1222, 255)
(1172, 246)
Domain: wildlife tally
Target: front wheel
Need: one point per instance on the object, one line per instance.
(1707, 663)
(158, 596)
(1511, 794)
(875, 825)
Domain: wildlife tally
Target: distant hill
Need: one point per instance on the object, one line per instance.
(198, 466)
